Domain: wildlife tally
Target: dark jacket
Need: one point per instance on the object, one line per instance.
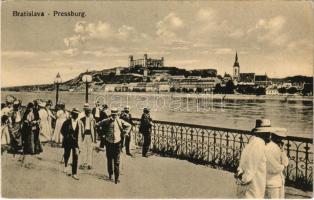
(124, 127)
(72, 138)
(146, 124)
(127, 117)
(102, 114)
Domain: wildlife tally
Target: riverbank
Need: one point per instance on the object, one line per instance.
(194, 95)
(153, 177)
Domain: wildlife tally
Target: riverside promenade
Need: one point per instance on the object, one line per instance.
(153, 177)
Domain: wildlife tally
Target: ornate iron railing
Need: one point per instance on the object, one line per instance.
(221, 148)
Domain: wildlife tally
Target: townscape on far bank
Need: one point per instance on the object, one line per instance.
(151, 75)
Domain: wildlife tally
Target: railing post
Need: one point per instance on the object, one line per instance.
(288, 154)
(214, 156)
(306, 158)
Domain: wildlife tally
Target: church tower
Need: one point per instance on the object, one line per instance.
(236, 68)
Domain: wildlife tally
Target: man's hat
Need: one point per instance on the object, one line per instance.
(114, 110)
(262, 130)
(86, 106)
(281, 132)
(146, 109)
(262, 123)
(75, 110)
(42, 104)
(16, 102)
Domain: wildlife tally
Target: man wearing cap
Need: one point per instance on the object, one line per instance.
(126, 116)
(277, 160)
(146, 129)
(88, 137)
(251, 173)
(72, 131)
(116, 128)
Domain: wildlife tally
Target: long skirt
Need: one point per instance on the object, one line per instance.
(16, 137)
(31, 142)
(57, 137)
(45, 130)
(5, 135)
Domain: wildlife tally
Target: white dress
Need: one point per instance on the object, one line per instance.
(45, 128)
(61, 116)
(5, 135)
(50, 118)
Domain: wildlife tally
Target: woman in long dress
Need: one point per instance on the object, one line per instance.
(51, 116)
(61, 116)
(5, 134)
(16, 125)
(30, 130)
(45, 130)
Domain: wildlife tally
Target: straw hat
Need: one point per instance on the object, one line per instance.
(42, 104)
(114, 111)
(263, 130)
(16, 102)
(146, 109)
(86, 106)
(262, 123)
(75, 110)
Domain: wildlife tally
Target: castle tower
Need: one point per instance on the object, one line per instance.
(236, 68)
(145, 60)
(130, 61)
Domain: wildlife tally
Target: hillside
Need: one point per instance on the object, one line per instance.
(135, 74)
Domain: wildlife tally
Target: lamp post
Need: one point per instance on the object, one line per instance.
(57, 81)
(87, 78)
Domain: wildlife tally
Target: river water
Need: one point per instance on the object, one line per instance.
(295, 115)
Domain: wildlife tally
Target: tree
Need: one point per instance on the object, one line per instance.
(308, 89)
(218, 89)
(292, 90)
(282, 90)
(260, 91)
(172, 89)
(229, 87)
(199, 90)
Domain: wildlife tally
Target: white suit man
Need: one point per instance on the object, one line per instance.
(277, 160)
(251, 175)
(88, 138)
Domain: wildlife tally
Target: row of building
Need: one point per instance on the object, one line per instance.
(150, 75)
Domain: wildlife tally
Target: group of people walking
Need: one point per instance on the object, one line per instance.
(24, 130)
(261, 166)
(263, 160)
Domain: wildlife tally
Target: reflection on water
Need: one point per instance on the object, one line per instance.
(296, 116)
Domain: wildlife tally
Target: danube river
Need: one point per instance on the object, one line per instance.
(295, 115)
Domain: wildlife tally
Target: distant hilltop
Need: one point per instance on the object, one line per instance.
(151, 75)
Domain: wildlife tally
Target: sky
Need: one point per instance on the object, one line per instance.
(272, 37)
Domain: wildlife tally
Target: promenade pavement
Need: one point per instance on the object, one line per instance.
(153, 177)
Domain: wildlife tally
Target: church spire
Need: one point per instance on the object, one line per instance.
(236, 62)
